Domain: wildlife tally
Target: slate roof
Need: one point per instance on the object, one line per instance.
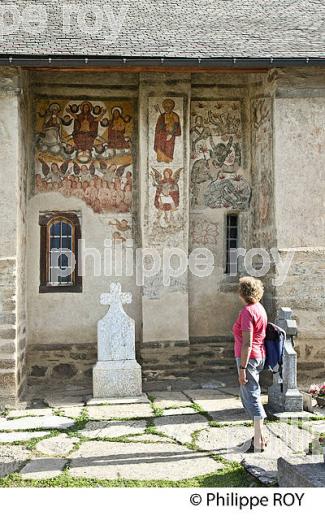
(176, 28)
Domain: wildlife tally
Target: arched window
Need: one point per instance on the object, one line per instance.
(60, 233)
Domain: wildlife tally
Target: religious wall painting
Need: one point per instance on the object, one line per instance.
(85, 149)
(166, 199)
(203, 231)
(168, 128)
(217, 179)
(262, 160)
(166, 190)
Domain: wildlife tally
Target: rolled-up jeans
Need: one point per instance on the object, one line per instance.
(250, 393)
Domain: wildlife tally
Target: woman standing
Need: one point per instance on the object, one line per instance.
(249, 332)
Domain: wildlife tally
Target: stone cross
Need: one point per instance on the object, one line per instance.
(284, 395)
(116, 331)
(115, 297)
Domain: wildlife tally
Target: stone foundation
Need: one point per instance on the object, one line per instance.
(209, 355)
(159, 361)
(65, 362)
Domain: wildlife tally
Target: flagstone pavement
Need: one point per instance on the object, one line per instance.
(164, 435)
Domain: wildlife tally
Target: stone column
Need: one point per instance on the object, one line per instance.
(10, 228)
(164, 172)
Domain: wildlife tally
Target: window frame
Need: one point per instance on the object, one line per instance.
(46, 221)
(227, 239)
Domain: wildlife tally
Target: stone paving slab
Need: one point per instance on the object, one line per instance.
(65, 400)
(102, 429)
(231, 442)
(293, 415)
(226, 440)
(231, 390)
(21, 436)
(41, 469)
(30, 412)
(315, 426)
(139, 461)
(169, 399)
(35, 423)
(296, 438)
(119, 400)
(12, 458)
(71, 411)
(179, 411)
(180, 427)
(115, 411)
(60, 445)
(149, 437)
(221, 407)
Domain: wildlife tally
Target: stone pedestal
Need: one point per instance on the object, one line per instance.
(117, 373)
(117, 379)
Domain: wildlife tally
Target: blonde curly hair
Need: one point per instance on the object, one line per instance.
(251, 289)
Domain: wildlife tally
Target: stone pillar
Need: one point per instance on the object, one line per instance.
(10, 228)
(284, 395)
(164, 172)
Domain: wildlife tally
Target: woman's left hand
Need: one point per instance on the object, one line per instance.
(242, 377)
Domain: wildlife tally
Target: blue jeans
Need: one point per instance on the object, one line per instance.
(250, 393)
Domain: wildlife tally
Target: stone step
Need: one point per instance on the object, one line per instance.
(7, 331)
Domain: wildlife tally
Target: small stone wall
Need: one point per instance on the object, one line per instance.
(164, 360)
(159, 361)
(72, 362)
(209, 355)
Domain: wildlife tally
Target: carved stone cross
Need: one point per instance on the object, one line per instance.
(116, 331)
(116, 296)
(116, 373)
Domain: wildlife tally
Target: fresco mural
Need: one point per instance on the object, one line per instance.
(168, 127)
(165, 171)
(203, 232)
(217, 179)
(262, 159)
(85, 149)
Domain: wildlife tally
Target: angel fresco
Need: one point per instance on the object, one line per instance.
(167, 191)
(168, 127)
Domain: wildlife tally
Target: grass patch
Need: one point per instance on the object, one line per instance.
(200, 410)
(231, 475)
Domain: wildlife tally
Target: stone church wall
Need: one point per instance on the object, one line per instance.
(62, 324)
(271, 125)
(220, 118)
(12, 235)
(300, 209)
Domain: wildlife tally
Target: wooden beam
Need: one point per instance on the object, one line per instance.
(137, 69)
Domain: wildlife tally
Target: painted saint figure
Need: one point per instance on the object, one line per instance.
(167, 191)
(168, 127)
(117, 137)
(50, 137)
(85, 128)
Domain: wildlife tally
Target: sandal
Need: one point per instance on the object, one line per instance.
(252, 448)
